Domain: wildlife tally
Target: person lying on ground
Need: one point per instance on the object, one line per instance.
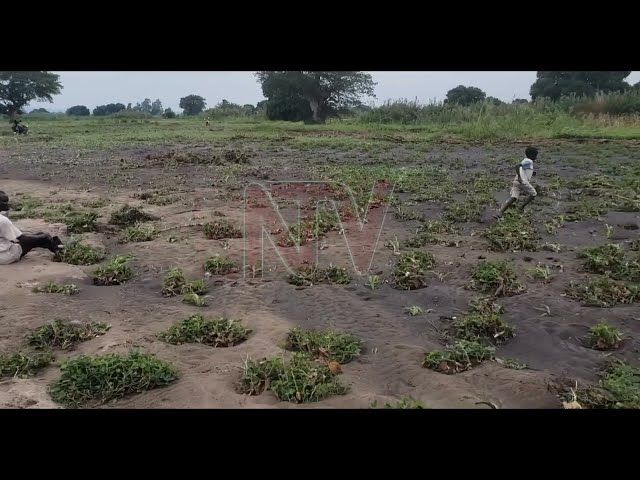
(14, 244)
(522, 182)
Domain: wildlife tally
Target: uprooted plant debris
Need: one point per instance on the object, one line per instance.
(175, 283)
(24, 364)
(194, 158)
(603, 336)
(515, 232)
(330, 345)
(483, 323)
(220, 230)
(611, 259)
(116, 272)
(77, 253)
(128, 216)
(313, 274)
(410, 270)
(462, 355)
(603, 292)
(496, 278)
(65, 335)
(618, 388)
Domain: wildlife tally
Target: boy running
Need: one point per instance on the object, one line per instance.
(521, 182)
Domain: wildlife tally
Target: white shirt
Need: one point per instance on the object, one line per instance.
(525, 173)
(8, 233)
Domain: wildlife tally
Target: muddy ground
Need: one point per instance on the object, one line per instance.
(390, 365)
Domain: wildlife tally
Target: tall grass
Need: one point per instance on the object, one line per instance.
(605, 116)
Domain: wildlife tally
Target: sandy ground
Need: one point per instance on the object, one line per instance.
(390, 365)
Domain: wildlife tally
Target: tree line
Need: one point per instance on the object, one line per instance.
(309, 96)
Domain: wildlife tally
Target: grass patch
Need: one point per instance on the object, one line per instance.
(313, 274)
(422, 239)
(514, 232)
(469, 210)
(97, 203)
(175, 283)
(585, 210)
(65, 335)
(116, 272)
(53, 287)
(603, 259)
(512, 364)
(128, 215)
(438, 226)
(462, 355)
(220, 265)
(603, 337)
(217, 332)
(82, 222)
(496, 278)
(221, 229)
(610, 259)
(327, 344)
(410, 270)
(77, 253)
(483, 323)
(623, 381)
(603, 292)
(24, 364)
(195, 299)
(140, 232)
(100, 378)
(619, 388)
(299, 380)
(414, 310)
(541, 272)
(405, 214)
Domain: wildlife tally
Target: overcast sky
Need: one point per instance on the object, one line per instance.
(99, 88)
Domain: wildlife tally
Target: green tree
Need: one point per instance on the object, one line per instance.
(39, 110)
(554, 85)
(18, 89)
(146, 105)
(312, 96)
(462, 95)
(168, 113)
(156, 107)
(109, 109)
(79, 110)
(192, 104)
